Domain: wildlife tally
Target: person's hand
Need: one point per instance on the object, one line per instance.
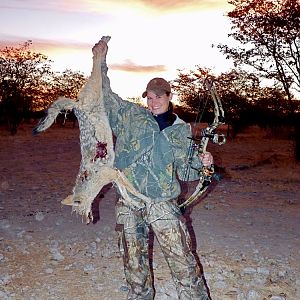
(100, 48)
(207, 159)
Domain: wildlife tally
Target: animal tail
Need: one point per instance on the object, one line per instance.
(55, 108)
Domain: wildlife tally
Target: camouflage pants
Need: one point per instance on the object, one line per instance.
(175, 242)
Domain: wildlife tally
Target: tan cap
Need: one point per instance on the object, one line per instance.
(157, 85)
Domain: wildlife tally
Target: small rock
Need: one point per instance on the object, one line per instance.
(8, 248)
(57, 256)
(4, 185)
(124, 288)
(209, 206)
(68, 267)
(88, 268)
(49, 270)
(263, 271)
(21, 233)
(59, 222)
(4, 224)
(249, 271)
(253, 295)
(282, 274)
(5, 296)
(220, 285)
(39, 216)
(5, 279)
(278, 298)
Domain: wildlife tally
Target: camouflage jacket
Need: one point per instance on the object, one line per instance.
(151, 159)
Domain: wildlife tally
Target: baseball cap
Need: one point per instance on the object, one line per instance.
(157, 85)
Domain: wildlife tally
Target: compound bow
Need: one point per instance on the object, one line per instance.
(200, 145)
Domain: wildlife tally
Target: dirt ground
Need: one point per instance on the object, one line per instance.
(246, 229)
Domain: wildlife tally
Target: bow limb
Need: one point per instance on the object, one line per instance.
(208, 133)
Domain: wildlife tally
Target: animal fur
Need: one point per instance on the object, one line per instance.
(96, 143)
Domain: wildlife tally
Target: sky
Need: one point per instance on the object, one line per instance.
(149, 38)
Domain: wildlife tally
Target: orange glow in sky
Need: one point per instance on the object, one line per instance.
(149, 37)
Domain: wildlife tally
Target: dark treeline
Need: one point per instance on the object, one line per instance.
(28, 85)
(244, 101)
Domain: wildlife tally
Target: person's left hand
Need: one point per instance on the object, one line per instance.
(206, 159)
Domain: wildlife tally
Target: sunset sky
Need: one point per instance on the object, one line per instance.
(149, 37)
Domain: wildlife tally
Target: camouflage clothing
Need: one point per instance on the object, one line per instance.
(152, 160)
(172, 235)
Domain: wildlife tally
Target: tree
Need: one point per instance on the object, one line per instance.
(28, 85)
(189, 86)
(268, 32)
(234, 88)
(67, 84)
(22, 74)
(244, 100)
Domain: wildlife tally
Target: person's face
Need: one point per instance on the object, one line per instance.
(158, 104)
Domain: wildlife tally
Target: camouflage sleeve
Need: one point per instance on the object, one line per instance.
(114, 104)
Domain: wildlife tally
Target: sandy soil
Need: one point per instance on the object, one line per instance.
(246, 228)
